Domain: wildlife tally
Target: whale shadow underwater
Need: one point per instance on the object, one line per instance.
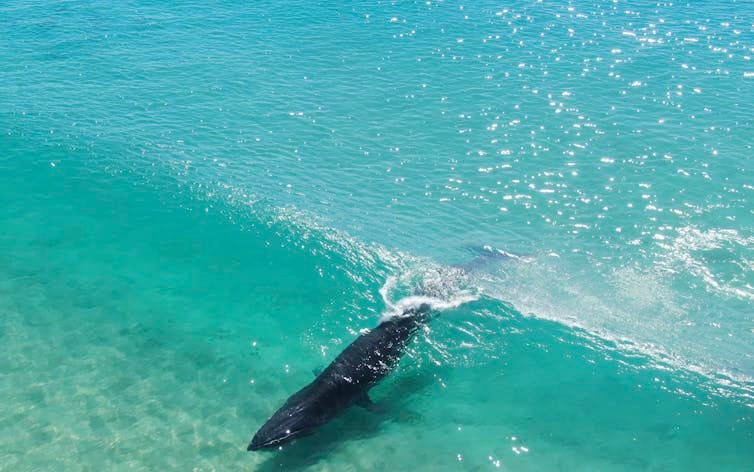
(346, 382)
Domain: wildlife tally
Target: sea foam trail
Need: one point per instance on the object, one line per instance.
(536, 288)
(436, 303)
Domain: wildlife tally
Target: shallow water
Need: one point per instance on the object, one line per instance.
(204, 203)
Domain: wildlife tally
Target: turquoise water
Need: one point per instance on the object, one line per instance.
(204, 202)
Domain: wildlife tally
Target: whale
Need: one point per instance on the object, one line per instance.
(345, 382)
(365, 362)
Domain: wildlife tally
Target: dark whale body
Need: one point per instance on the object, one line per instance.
(344, 383)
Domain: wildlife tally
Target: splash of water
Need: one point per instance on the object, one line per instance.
(440, 289)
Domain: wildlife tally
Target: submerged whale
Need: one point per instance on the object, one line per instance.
(344, 383)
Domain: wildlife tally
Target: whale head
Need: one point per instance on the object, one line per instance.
(288, 423)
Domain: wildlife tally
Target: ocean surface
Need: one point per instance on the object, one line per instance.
(203, 202)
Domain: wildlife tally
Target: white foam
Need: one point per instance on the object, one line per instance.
(436, 304)
(631, 309)
(686, 252)
(399, 307)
